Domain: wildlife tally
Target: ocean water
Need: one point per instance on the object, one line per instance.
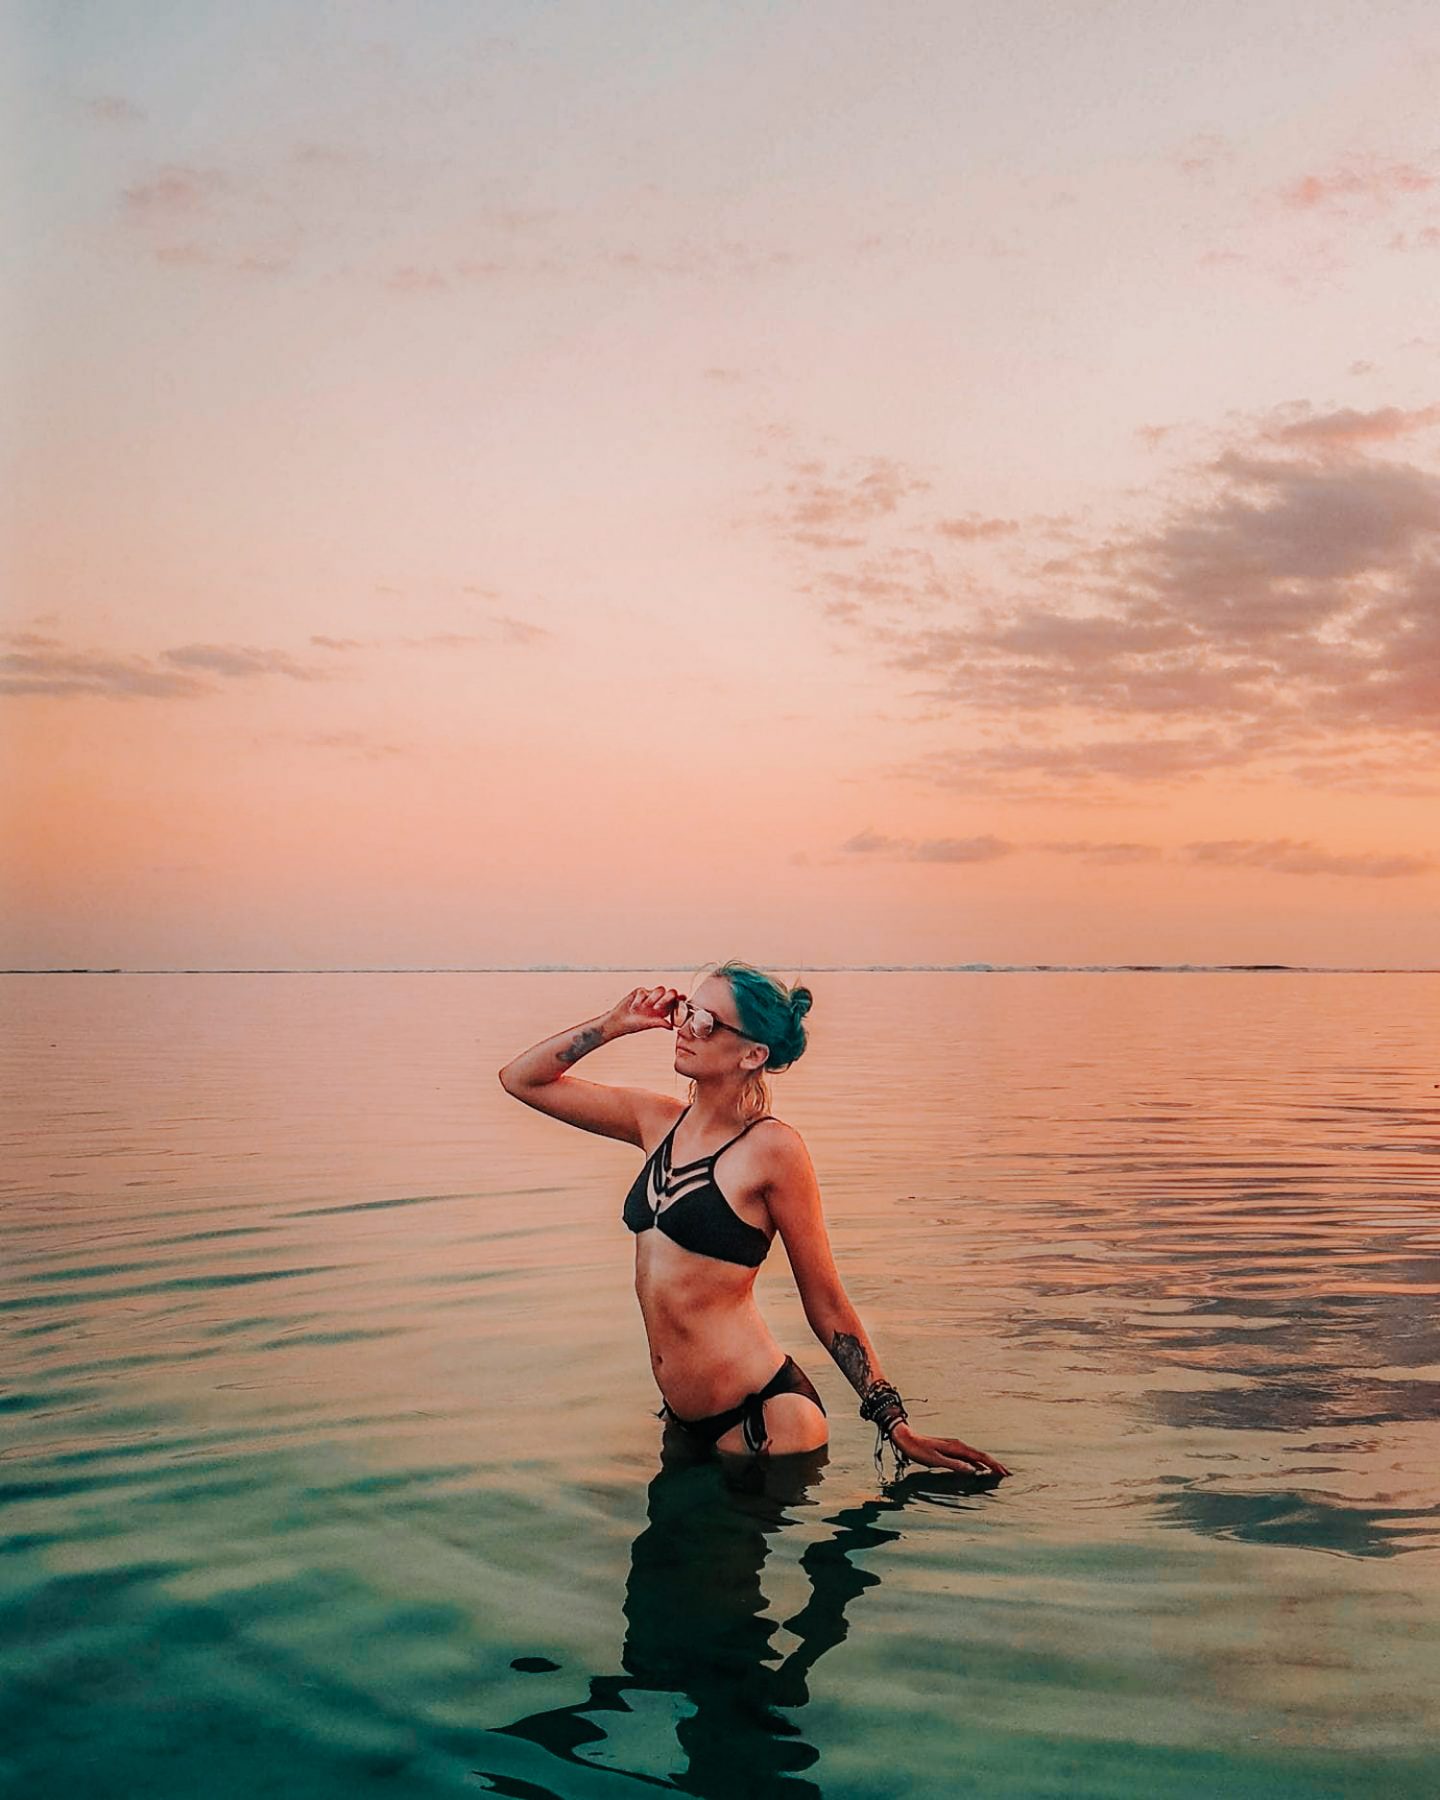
(328, 1457)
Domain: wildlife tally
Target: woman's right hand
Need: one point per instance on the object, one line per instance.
(643, 1009)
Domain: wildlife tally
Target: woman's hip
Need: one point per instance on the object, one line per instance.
(785, 1414)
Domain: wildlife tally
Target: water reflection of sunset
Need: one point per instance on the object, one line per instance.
(290, 1280)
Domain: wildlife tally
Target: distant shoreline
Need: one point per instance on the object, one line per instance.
(796, 968)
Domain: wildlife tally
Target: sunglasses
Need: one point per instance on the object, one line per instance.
(702, 1023)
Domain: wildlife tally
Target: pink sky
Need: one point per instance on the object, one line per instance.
(635, 485)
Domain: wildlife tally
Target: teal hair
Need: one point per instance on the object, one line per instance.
(769, 1012)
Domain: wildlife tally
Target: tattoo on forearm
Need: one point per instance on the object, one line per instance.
(849, 1353)
(581, 1044)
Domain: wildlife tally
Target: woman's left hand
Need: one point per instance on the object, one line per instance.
(944, 1453)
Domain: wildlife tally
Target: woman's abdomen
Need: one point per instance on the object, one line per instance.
(707, 1350)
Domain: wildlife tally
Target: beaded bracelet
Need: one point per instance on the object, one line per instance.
(883, 1406)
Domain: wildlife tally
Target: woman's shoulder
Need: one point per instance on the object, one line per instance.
(776, 1134)
(779, 1160)
(656, 1115)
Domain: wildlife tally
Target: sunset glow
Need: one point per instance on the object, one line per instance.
(642, 484)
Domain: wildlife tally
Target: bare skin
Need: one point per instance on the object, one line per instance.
(709, 1345)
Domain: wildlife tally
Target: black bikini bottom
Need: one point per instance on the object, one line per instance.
(789, 1378)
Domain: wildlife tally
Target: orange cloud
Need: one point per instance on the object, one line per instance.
(1106, 853)
(973, 527)
(520, 631)
(44, 665)
(820, 509)
(1345, 428)
(176, 189)
(1201, 153)
(957, 850)
(1290, 601)
(1427, 238)
(1371, 183)
(1290, 858)
(67, 672)
(1279, 854)
(241, 660)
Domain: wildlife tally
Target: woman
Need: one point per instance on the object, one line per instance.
(721, 1178)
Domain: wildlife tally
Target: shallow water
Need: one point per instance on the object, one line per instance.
(328, 1457)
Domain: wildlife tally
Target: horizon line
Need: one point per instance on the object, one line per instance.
(973, 968)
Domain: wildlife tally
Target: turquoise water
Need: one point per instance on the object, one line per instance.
(328, 1463)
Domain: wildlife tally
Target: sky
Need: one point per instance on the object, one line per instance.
(638, 484)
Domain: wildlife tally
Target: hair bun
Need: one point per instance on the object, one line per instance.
(770, 1012)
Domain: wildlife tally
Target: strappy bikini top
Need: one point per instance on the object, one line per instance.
(687, 1205)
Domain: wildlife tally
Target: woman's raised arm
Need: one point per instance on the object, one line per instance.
(538, 1075)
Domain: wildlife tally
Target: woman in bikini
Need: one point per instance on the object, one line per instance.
(721, 1177)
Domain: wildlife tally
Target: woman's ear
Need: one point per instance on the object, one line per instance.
(751, 1067)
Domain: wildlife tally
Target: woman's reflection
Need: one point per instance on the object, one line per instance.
(696, 1624)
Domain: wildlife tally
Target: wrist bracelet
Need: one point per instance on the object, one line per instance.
(883, 1406)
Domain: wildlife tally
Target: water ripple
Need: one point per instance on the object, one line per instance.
(325, 1408)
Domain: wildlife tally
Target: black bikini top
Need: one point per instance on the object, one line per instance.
(687, 1205)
